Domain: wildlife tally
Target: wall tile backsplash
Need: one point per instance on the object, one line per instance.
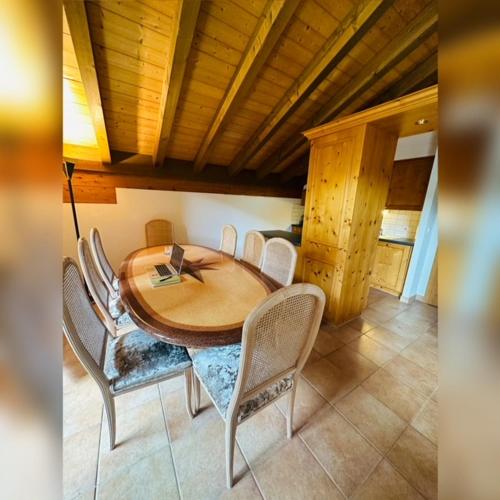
(399, 223)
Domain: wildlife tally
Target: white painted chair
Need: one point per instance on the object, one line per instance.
(118, 365)
(103, 266)
(159, 232)
(109, 304)
(253, 248)
(242, 379)
(279, 260)
(228, 240)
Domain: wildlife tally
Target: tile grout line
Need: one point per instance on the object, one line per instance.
(250, 468)
(383, 455)
(396, 468)
(321, 465)
(165, 423)
(365, 480)
(298, 433)
(379, 367)
(299, 436)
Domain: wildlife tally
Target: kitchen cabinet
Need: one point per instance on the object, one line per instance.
(409, 182)
(390, 267)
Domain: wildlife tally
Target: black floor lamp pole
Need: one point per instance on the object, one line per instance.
(68, 168)
(68, 171)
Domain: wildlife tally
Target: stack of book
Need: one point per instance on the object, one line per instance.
(157, 280)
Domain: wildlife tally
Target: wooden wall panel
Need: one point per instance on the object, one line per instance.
(90, 194)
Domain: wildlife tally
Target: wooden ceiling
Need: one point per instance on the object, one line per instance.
(232, 83)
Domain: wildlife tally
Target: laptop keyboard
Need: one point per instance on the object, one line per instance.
(163, 270)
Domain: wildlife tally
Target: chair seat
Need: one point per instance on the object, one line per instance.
(137, 358)
(218, 367)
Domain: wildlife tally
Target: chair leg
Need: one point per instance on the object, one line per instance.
(289, 415)
(188, 382)
(230, 435)
(196, 390)
(109, 404)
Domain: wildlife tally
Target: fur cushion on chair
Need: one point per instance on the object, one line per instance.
(137, 358)
(218, 367)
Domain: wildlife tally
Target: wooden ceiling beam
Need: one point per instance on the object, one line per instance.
(409, 82)
(411, 37)
(76, 16)
(182, 36)
(406, 85)
(353, 27)
(137, 171)
(273, 22)
(297, 170)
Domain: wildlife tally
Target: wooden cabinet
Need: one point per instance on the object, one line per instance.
(350, 167)
(390, 267)
(348, 180)
(409, 182)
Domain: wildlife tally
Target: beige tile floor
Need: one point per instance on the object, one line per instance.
(365, 420)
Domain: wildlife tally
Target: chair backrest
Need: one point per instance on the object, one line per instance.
(228, 239)
(83, 328)
(278, 337)
(159, 232)
(102, 263)
(253, 248)
(98, 289)
(279, 260)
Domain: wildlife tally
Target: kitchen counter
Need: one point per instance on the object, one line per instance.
(296, 239)
(287, 235)
(397, 241)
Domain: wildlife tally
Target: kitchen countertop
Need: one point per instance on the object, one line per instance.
(287, 235)
(397, 241)
(296, 239)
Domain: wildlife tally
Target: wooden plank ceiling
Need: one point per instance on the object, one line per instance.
(232, 83)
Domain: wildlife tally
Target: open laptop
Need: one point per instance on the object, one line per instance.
(174, 267)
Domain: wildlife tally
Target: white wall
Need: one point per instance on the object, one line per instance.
(197, 217)
(426, 244)
(416, 146)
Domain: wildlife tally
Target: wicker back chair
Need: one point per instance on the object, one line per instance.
(159, 232)
(228, 239)
(118, 365)
(97, 288)
(277, 339)
(279, 260)
(103, 266)
(253, 248)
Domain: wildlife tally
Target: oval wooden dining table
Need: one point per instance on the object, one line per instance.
(207, 308)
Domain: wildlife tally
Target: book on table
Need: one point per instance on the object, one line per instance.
(157, 280)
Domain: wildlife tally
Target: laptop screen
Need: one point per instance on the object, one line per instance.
(177, 257)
